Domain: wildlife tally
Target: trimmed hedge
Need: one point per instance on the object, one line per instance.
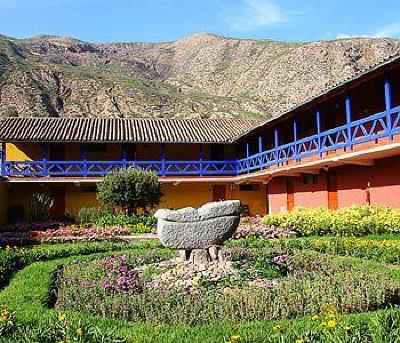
(14, 259)
(350, 221)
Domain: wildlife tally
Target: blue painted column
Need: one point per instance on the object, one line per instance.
(84, 157)
(162, 156)
(318, 122)
(349, 115)
(247, 157)
(276, 143)
(295, 137)
(201, 158)
(388, 106)
(3, 158)
(124, 155)
(260, 144)
(44, 158)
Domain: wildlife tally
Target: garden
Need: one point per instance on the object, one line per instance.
(311, 275)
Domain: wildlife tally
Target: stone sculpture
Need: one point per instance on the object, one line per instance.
(199, 233)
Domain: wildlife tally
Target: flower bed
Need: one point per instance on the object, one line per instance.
(262, 231)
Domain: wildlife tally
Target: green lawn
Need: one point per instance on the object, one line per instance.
(29, 290)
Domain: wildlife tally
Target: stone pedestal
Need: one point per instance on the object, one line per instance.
(201, 256)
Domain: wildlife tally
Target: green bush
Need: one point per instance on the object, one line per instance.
(350, 221)
(41, 205)
(105, 217)
(131, 189)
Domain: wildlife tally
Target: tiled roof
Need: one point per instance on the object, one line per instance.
(123, 130)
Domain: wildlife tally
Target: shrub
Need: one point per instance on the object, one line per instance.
(41, 205)
(350, 221)
(105, 217)
(130, 189)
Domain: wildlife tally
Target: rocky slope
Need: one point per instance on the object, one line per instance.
(203, 75)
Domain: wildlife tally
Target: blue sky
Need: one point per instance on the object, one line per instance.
(164, 20)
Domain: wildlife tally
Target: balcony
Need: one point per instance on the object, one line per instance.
(342, 139)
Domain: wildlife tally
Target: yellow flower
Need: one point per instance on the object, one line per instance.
(5, 313)
(299, 340)
(277, 328)
(331, 324)
(235, 338)
(61, 317)
(79, 331)
(315, 317)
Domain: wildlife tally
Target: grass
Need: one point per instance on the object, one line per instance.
(28, 293)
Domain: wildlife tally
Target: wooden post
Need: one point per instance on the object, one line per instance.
(247, 156)
(349, 116)
(295, 137)
(201, 158)
(276, 142)
(124, 155)
(163, 159)
(44, 158)
(388, 105)
(3, 158)
(260, 144)
(84, 158)
(318, 122)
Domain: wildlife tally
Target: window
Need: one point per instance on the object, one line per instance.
(310, 179)
(249, 188)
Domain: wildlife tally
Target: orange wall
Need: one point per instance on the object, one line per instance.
(277, 196)
(311, 195)
(384, 179)
(256, 200)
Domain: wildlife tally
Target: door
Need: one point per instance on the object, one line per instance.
(219, 192)
(290, 194)
(58, 195)
(332, 191)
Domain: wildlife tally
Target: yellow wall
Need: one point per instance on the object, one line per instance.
(76, 198)
(174, 196)
(23, 151)
(3, 203)
(256, 200)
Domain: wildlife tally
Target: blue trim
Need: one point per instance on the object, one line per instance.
(388, 105)
(349, 116)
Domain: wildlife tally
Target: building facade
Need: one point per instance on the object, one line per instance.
(339, 148)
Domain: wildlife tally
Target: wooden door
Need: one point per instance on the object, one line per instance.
(290, 194)
(332, 191)
(219, 192)
(58, 195)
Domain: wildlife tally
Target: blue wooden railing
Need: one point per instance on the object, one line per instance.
(383, 124)
(372, 128)
(101, 168)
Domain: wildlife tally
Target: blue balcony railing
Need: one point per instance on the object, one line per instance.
(372, 128)
(100, 168)
(383, 124)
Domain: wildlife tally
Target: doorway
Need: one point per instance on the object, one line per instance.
(289, 194)
(333, 202)
(219, 192)
(58, 195)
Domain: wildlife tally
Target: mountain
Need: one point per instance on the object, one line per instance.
(200, 76)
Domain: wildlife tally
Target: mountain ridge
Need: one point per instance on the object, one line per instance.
(200, 76)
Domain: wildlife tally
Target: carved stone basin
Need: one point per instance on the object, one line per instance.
(190, 228)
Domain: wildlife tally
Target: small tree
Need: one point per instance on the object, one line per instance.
(130, 189)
